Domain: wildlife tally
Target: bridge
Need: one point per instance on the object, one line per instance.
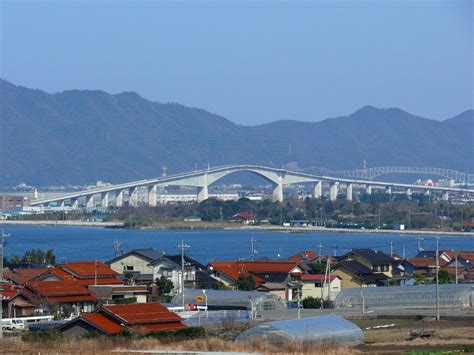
(202, 179)
(372, 173)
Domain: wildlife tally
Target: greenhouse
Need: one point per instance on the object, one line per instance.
(220, 299)
(421, 296)
(326, 329)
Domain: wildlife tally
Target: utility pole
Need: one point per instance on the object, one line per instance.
(403, 251)
(95, 272)
(1, 278)
(320, 248)
(334, 250)
(419, 240)
(182, 246)
(456, 266)
(437, 278)
(409, 219)
(117, 246)
(252, 244)
(391, 249)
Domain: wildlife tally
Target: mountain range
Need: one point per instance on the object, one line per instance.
(81, 136)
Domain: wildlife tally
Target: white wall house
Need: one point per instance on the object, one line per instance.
(313, 286)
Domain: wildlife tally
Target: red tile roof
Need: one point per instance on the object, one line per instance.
(88, 269)
(304, 255)
(21, 276)
(235, 269)
(60, 291)
(423, 262)
(244, 215)
(101, 322)
(142, 313)
(308, 277)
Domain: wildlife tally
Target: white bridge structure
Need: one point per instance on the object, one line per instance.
(372, 173)
(201, 179)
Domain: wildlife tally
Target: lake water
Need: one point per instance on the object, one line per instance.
(84, 243)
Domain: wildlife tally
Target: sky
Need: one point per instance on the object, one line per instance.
(249, 61)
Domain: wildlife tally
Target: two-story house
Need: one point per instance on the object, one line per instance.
(364, 267)
(170, 266)
(137, 263)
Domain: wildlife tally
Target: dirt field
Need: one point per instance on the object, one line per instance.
(445, 336)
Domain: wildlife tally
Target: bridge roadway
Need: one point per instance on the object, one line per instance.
(201, 179)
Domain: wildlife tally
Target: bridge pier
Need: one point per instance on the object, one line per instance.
(349, 192)
(104, 199)
(333, 191)
(203, 191)
(119, 198)
(408, 193)
(132, 197)
(388, 190)
(62, 203)
(445, 196)
(277, 195)
(152, 195)
(318, 189)
(75, 203)
(90, 201)
(368, 189)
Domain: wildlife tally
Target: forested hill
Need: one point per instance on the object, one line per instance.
(81, 136)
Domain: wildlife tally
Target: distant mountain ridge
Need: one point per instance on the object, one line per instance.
(80, 136)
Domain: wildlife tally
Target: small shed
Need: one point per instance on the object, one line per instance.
(331, 330)
(222, 299)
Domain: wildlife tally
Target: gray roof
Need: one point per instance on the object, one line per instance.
(374, 256)
(148, 253)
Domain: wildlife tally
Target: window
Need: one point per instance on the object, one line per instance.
(167, 272)
(127, 268)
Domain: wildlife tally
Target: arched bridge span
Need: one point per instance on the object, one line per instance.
(201, 179)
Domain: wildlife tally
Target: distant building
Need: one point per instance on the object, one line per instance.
(244, 217)
(8, 202)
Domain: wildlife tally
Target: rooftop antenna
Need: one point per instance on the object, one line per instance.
(182, 246)
(117, 246)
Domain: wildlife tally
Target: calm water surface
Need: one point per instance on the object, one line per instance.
(84, 243)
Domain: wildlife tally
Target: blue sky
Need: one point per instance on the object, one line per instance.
(250, 61)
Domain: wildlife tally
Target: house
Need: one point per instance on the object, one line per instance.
(244, 218)
(170, 266)
(61, 294)
(354, 274)
(91, 273)
(112, 293)
(314, 286)
(136, 262)
(304, 256)
(112, 319)
(20, 276)
(376, 261)
(269, 275)
(14, 302)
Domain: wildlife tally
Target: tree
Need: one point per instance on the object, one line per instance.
(246, 283)
(443, 277)
(315, 303)
(165, 286)
(420, 279)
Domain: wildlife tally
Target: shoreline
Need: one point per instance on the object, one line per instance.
(236, 227)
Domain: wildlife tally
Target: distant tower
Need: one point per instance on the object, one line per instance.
(164, 170)
(364, 168)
